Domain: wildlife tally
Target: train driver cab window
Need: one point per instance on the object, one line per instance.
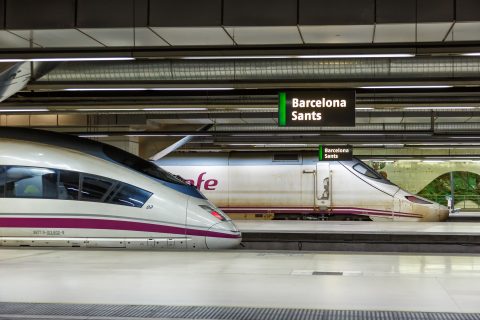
(366, 171)
(29, 182)
(94, 188)
(129, 195)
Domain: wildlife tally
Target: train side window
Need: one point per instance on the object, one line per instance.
(2, 181)
(29, 182)
(68, 185)
(129, 195)
(94, 188)
(366, 171)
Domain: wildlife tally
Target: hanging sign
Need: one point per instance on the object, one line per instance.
(316, 108)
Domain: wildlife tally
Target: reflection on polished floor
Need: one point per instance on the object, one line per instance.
(243, 278)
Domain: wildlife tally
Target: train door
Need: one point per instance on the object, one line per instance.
(323, 186)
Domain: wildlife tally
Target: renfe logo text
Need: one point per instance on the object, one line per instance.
(199, 183)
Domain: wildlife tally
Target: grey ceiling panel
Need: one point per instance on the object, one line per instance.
(467, 10)
(432, 32)
(9, 40)
(265, 35)
(337, 34)
(58, 38)
(260, 13)
(395, 11)
(465, 31)
(194, 36)
(185, 13)
(125, 37)
(435, 10)
(2, 14)
(141, 13)
(109, 13)
(403, 32)
(336, 12)
(35, 14)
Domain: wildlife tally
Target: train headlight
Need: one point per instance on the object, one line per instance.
(216, 213)
(417, 200)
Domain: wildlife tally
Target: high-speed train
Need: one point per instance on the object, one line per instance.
(59, 190)
(283, 185)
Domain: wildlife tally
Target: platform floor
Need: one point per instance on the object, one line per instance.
(391, 282)
(420, 228)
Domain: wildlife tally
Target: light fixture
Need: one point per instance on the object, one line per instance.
(191, 88)
(105, 89)
(471, 54)
(306, 56)
(439, 108)
(23, 110)
(174, 109)
(364, 108)
(68, 59)
(106, 109)
(407, 87)
(93, 135)
(347, 56)
(146, 134)
(152, 89)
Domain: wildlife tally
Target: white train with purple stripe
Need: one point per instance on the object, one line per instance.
(59, 190)
(296, 186)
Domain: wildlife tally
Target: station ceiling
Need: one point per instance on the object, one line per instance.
(211, 70)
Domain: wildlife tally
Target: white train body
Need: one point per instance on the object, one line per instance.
(110, 205)
(298, 186)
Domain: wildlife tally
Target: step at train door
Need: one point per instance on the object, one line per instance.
(323, 186)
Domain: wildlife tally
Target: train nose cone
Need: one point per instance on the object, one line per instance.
(228, 236)
(443, 213)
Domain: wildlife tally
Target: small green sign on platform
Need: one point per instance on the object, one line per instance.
(335, 153)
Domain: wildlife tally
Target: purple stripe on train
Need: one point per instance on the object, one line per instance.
(105, 224)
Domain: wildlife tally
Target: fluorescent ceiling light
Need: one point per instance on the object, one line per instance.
(362, 108)
(102, 109)
(191, 88)
(145, 89)
(23, 110)
(346, 56)
(12, 60)
(471, 54)
(93, 135)
(174, 109)
(439, 108)
(407, 87)
(68, 59)
(281, 145)
(164, 135)
(308, 56)
(105, 89)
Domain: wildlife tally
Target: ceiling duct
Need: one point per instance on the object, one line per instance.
(318, 70)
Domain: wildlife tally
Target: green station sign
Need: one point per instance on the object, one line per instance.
(335, 153)
(316, 108)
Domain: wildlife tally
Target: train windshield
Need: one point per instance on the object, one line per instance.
(140, 165)
(369, 172)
